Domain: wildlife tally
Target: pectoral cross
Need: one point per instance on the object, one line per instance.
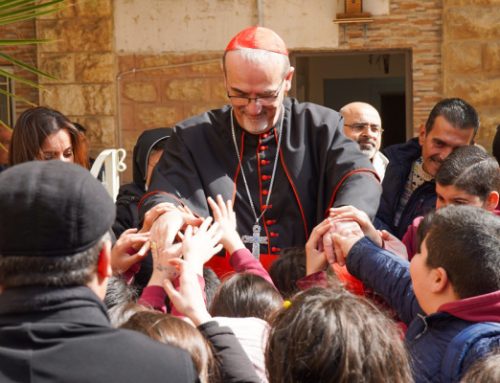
(255, 239)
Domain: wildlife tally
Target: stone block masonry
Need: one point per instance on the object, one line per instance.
(471, 52)
(83, 61)
(166, 89)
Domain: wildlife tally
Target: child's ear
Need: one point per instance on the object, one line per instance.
(491, 201)
(439, 280)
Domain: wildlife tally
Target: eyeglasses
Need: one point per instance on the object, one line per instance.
(242, 100)
(358, 128)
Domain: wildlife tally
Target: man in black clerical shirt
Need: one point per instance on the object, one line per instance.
(281, 162)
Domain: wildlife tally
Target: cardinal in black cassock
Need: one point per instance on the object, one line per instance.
(283, 163)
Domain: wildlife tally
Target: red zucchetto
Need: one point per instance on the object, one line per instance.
(258, 38)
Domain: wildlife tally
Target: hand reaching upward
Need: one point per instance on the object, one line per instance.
(225, 217)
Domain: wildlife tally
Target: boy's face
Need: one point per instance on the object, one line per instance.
(421, 277)
(451, 195)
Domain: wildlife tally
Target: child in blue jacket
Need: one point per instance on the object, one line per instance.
(450, 285)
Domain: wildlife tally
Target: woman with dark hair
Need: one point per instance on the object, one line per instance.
(43, 133)
(331, 335)
(147, 152)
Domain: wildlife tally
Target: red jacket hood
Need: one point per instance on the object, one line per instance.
(481, 308)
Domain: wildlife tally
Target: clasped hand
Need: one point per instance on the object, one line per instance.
(331, 240)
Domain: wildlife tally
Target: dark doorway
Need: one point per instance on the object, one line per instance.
(382, 79)
(392, 108)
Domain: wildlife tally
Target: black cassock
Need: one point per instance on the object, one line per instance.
(318, 168)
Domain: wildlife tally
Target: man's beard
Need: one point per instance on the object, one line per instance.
(368, 147)
(256, 126)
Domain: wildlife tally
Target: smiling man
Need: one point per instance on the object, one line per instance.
(409, 189)
(362, 123)
(281, 162)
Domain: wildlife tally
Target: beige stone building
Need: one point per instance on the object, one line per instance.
(128, 65)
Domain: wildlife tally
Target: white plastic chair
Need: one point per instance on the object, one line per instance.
(111, 162)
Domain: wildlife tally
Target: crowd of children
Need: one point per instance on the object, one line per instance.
(339, 329)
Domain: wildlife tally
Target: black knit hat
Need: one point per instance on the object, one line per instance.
(51, 208)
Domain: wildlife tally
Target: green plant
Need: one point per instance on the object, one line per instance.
(15, 11)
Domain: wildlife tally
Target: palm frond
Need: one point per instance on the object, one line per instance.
(8, 43)
(2, 146)
(17, 97)
(4, 125)
(20, 79)
(25, 66)
(27, 8)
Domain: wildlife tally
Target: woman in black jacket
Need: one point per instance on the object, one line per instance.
(147, 152)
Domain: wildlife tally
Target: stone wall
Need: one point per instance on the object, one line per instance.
(83, 60)
(471, 59)
(165, 89)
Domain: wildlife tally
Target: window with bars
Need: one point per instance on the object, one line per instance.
(6, 101)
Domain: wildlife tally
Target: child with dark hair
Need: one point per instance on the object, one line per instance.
(331, 335)
(246, 300)
(287, 269)
(468, 176)
(121, 313)
(246, 295)
(243, 301)
(176, 332)
(212, 283)
(484, 370)
(250, 292)
(187, 296)
(221, 234)
(188, 299)
(451, 286)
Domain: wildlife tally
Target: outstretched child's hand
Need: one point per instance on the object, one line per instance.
(350, 213)
(226, 218)
(201, 244)
(315, 253)
(188, 300)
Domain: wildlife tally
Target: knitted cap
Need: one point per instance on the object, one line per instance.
(51, 208)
